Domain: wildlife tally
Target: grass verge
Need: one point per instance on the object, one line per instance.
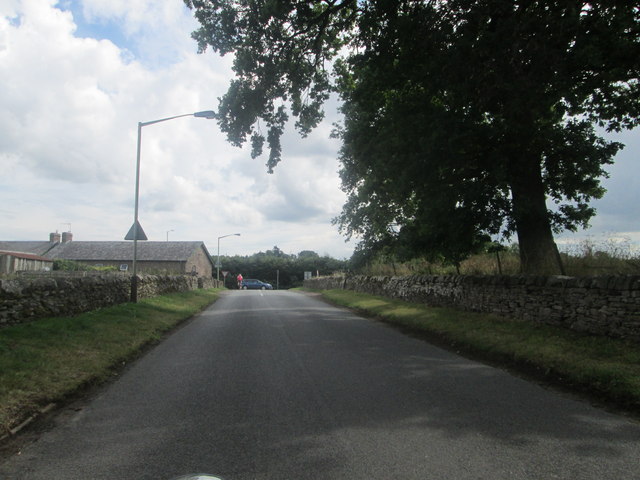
(604, 368)
(51, 359)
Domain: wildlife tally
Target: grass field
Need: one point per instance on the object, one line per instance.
(603, 368)
(51, 359)
(612, 255)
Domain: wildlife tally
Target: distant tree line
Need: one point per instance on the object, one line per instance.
(278, 268)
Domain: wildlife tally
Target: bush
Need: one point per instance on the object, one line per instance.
(73, 266)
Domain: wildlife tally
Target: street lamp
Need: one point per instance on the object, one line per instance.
(168, 234)
(209, 114)
(218, 262)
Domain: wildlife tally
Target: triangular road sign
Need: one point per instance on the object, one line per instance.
(141, 234)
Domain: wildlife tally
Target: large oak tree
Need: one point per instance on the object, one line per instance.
(462, 118)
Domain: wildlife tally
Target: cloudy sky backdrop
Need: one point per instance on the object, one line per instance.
(76, 76)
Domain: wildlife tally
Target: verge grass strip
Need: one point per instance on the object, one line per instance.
(47, 360)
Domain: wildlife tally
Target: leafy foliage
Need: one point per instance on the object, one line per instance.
(461, 117)
(282, 50)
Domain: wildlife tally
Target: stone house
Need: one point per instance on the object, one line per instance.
(153, 257)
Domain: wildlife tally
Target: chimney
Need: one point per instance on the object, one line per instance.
(54, 237)
(67, 237)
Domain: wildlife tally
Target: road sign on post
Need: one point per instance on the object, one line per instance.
(131, 232)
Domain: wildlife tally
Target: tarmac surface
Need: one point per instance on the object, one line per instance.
(280, 385)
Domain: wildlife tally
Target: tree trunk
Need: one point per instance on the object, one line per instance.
(538, 251)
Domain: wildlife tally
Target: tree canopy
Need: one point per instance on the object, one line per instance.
(461, 117)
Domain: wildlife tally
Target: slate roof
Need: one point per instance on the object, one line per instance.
(28, 256)
(123, 251)
(34, 248)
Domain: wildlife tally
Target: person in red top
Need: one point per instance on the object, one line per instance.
(240, 281)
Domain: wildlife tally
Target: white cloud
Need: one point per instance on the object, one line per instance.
(618, 212)
(157, 30)
(64, 97)
(75, 79)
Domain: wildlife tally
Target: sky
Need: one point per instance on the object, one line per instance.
(76, 77)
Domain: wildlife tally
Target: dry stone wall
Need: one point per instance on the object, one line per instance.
(28, 298)
(603, 305)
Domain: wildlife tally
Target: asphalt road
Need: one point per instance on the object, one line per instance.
(279, 385)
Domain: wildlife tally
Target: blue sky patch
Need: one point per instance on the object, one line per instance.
(101, 30)
(15, 21)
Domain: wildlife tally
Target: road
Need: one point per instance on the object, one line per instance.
(279, 385)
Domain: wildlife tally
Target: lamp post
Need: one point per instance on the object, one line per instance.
(218, 262)
(168, 234)
(209, 114)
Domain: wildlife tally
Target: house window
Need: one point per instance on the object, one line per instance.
(124, 267)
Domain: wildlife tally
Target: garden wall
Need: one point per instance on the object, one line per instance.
(28, 298)
(603, 305)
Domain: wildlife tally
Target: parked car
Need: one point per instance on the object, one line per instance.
(253, 284)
